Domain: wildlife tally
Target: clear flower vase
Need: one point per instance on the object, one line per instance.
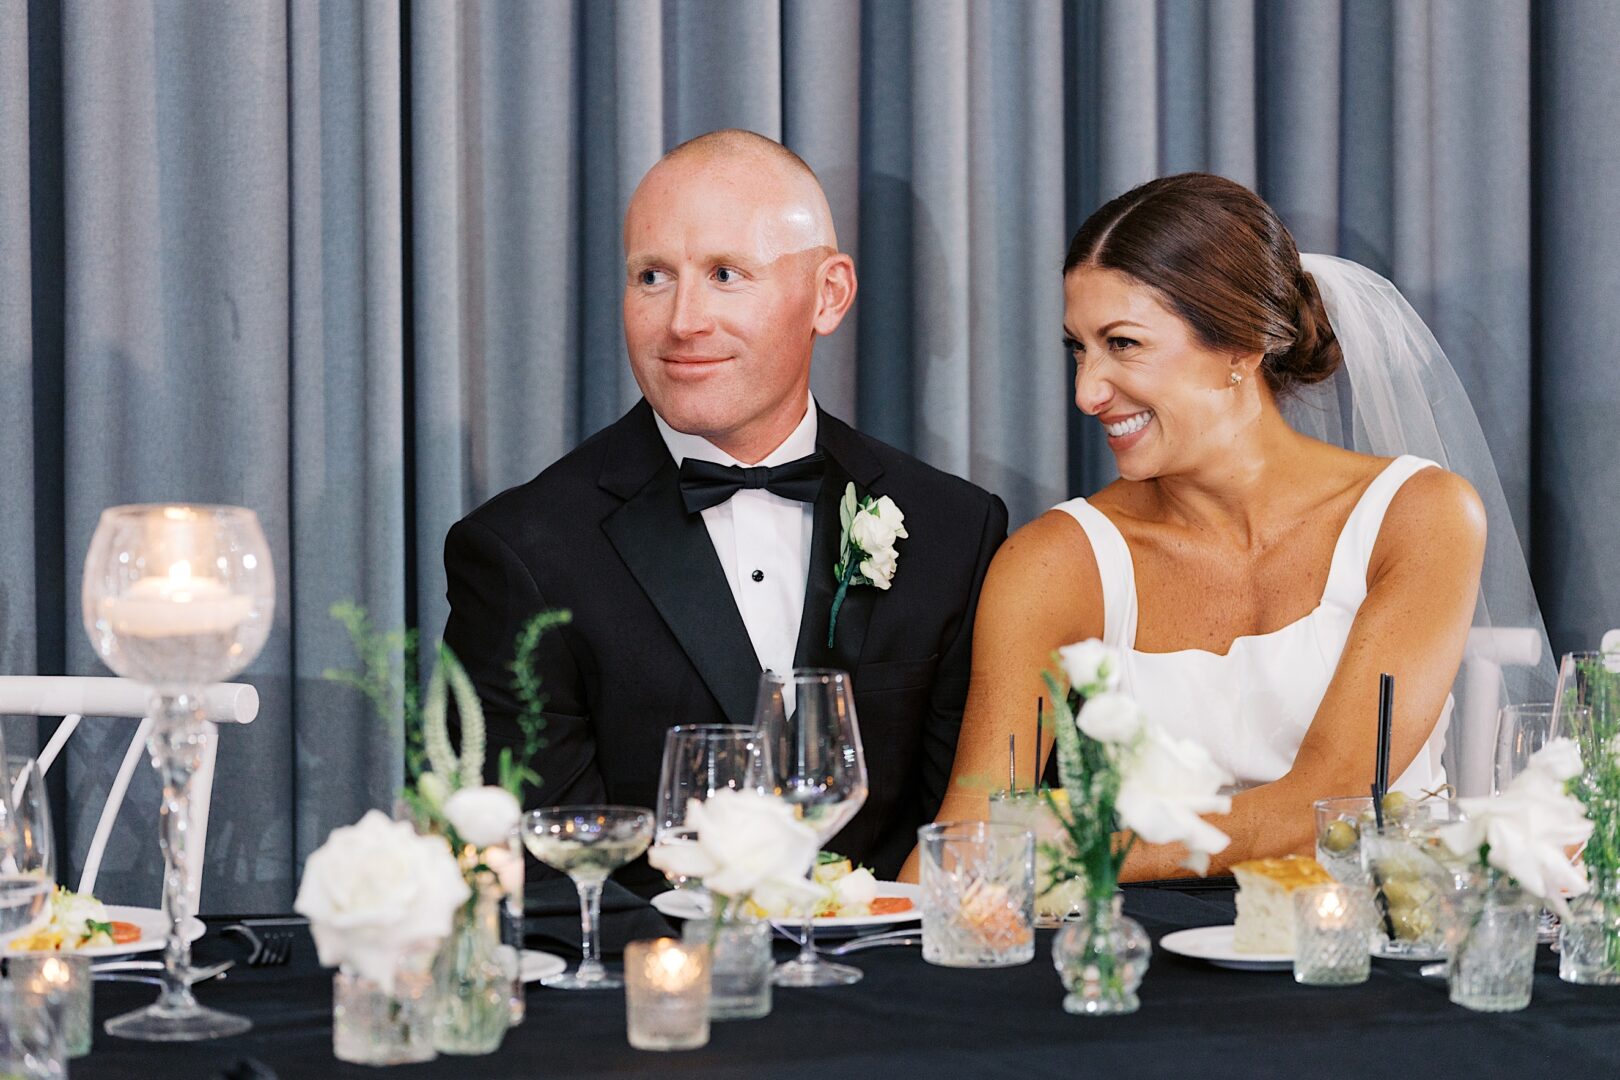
(1493, 960)
(1589, 938)
(739, 967)
(473, 986)
(374, 1026)
(1101, 957)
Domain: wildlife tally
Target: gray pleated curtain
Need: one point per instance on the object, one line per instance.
(356, 265)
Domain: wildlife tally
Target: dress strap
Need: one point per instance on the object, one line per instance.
(1347, 577)
(1116, 569)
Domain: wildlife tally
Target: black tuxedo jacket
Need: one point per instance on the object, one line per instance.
(656, 639)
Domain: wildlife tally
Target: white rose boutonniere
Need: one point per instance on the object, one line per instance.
(866, 546)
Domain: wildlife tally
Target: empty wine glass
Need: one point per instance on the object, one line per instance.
(588, 843)
(27, 851)
(700, 759)
(1521, 730)
(177, 597)
(813, 750)
(1590, 682)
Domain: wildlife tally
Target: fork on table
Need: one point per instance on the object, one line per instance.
(271, 948)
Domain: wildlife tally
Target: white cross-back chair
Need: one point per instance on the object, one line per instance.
(1489, 650)
(77, 698)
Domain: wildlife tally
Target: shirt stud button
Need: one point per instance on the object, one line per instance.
(758, 575)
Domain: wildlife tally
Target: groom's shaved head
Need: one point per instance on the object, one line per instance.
(769, 167)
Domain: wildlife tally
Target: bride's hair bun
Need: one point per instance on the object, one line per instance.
(1225, 263)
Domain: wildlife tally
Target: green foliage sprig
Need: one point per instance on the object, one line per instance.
(388, 677)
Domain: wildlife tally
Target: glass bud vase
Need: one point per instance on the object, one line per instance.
(1101, 957)
(472, 984)
(1589, 938)
(376, 1026)
(739, 966)
(1493, 959)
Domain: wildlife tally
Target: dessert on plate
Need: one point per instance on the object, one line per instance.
(1265, 904)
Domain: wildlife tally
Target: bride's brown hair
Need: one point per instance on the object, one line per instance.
(1225, 263)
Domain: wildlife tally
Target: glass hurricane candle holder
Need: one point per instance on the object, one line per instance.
(666, 994)
(177, 597)
(1331, 926)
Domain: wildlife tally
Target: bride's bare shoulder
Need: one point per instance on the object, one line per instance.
(1044, 579)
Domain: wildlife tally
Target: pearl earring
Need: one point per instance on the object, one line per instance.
(1236, 377)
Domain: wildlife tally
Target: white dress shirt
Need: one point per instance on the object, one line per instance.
(763, 541)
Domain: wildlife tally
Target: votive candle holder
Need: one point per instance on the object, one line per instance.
(666, 994)
(60, 980)
(1332, 925)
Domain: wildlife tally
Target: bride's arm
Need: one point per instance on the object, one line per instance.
(1422, 581)
(1042, 591)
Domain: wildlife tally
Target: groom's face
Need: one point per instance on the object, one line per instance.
(723, 298)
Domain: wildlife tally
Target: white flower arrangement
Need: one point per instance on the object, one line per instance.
(1121, 772)
(870, 528)
(1526, 832)
(749, 847)
(377, 891)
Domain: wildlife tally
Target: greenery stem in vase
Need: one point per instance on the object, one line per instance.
(1124, 780)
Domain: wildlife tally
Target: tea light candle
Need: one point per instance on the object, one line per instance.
(666, 994)
(63, 980)
(176, 604)
(1332, 924)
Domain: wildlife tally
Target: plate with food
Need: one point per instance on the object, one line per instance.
(82, 924)
(854, 901)
(1262, 939)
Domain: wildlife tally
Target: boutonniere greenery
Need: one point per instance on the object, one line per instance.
(866, 555)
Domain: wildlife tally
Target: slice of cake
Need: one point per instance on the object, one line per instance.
(1265, 904)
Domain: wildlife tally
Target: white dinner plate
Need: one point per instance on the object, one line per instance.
(1214, 945)
(154, 928)
(535, 966)
(691, 904)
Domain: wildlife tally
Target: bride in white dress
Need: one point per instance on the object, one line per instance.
(1256, 579)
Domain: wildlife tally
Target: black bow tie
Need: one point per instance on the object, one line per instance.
(705, 483)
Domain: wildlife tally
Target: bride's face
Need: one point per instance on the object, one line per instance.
(1165, 399)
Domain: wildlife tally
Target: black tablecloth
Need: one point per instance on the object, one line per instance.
(909, 1021)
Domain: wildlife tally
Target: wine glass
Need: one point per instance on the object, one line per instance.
(700, 759)
(588, 843)
(1590, 682)
(27, 851)
(813, 751)
(1521, 730)
(177, 597)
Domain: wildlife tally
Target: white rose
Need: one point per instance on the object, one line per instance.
(748, 845)
(1610, 648)
(1091, 666)
(1560, 760)
(879, 568)
(888, 513)
(483, 815)
(854, 892)
(1165, 785)
(508, 867)
(1530, 827)
(870, 533)
(1111, 717)
(376, 891)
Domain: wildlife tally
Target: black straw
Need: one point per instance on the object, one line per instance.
(1012, 763)
(1035, 782)
(1386, 716)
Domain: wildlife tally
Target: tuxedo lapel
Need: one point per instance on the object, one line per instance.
(669, 553)
(848, 460)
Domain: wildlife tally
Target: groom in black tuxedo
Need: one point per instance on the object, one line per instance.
(694, 539)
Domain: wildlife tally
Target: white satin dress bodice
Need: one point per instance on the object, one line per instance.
(1250, 708)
